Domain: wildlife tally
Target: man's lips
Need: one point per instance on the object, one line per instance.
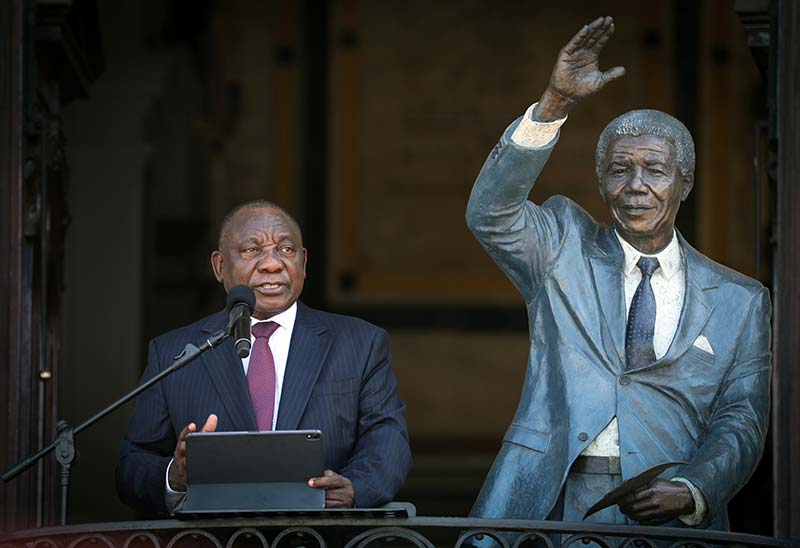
(270, 288)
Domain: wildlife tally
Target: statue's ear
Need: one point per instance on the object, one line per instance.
(688, 183)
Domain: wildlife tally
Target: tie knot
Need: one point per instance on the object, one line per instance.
(264, 329)
(647, 265)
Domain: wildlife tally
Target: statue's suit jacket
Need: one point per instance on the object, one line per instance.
(707, 409)
(338, 379)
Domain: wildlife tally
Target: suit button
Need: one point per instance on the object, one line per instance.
(583, 436)
(624, 380)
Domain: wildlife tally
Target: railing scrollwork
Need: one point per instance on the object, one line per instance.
(348, 531)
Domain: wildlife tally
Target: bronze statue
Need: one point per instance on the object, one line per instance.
(642, 350)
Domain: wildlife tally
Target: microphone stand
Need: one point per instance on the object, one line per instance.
(64, 442)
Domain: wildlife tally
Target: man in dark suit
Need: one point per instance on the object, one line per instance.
(642, 350)
(308, 370)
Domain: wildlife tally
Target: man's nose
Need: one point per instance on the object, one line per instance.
(270, 261)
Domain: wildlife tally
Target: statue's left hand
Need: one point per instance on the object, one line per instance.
(658, 502)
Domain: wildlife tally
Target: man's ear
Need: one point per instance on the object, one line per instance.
(216, 265)
(305, 260)
(687, 185)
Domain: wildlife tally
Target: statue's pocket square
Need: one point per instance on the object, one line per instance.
(702, 343)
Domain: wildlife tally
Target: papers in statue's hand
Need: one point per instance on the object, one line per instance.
(630, 485)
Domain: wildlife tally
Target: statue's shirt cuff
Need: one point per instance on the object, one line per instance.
(696, 517)
(531, 133)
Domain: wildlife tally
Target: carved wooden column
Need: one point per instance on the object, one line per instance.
(49, 55)
(773, 35)
(17, 499)
(785, 119)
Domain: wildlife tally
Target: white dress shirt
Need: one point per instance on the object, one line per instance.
(669, 286)
(279, 345)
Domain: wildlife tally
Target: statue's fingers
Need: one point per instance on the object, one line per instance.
(597, 23)
(578, 41)
(591, 37)
(608, 23)
(612, 74)
(607, 33)
(599, 34)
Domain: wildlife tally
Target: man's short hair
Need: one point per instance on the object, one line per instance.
(224, 226)
(648, 122)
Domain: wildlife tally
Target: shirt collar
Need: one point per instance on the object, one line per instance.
(285, 319)
(670, 259)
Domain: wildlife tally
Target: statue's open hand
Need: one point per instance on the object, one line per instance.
(658, 502)
(576, 74)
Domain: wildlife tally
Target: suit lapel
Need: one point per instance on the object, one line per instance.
(696, 306)
(308, 350)
(225, 369)
(608, 261)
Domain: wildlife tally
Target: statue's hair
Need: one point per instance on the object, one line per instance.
(224, 226)
(648, 122)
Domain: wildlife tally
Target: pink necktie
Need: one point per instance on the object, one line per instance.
(261, 375)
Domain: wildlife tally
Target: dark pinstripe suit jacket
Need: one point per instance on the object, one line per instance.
(338, 379)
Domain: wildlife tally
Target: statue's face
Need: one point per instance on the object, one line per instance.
(643, 189)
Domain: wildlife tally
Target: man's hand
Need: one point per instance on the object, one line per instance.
(576, 74)
(177, 472)
(338, 489)
(658, 502)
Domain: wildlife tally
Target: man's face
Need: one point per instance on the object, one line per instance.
(263, 250)
(643, 189)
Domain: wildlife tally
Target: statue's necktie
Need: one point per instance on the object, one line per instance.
(261, 375)
(642, 319)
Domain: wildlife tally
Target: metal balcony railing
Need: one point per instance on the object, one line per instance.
(359, 532)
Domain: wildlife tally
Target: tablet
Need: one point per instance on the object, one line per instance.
(249, 472)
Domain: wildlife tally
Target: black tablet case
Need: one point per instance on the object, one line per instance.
(249, 472)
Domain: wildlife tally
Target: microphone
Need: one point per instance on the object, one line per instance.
(241, 301)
